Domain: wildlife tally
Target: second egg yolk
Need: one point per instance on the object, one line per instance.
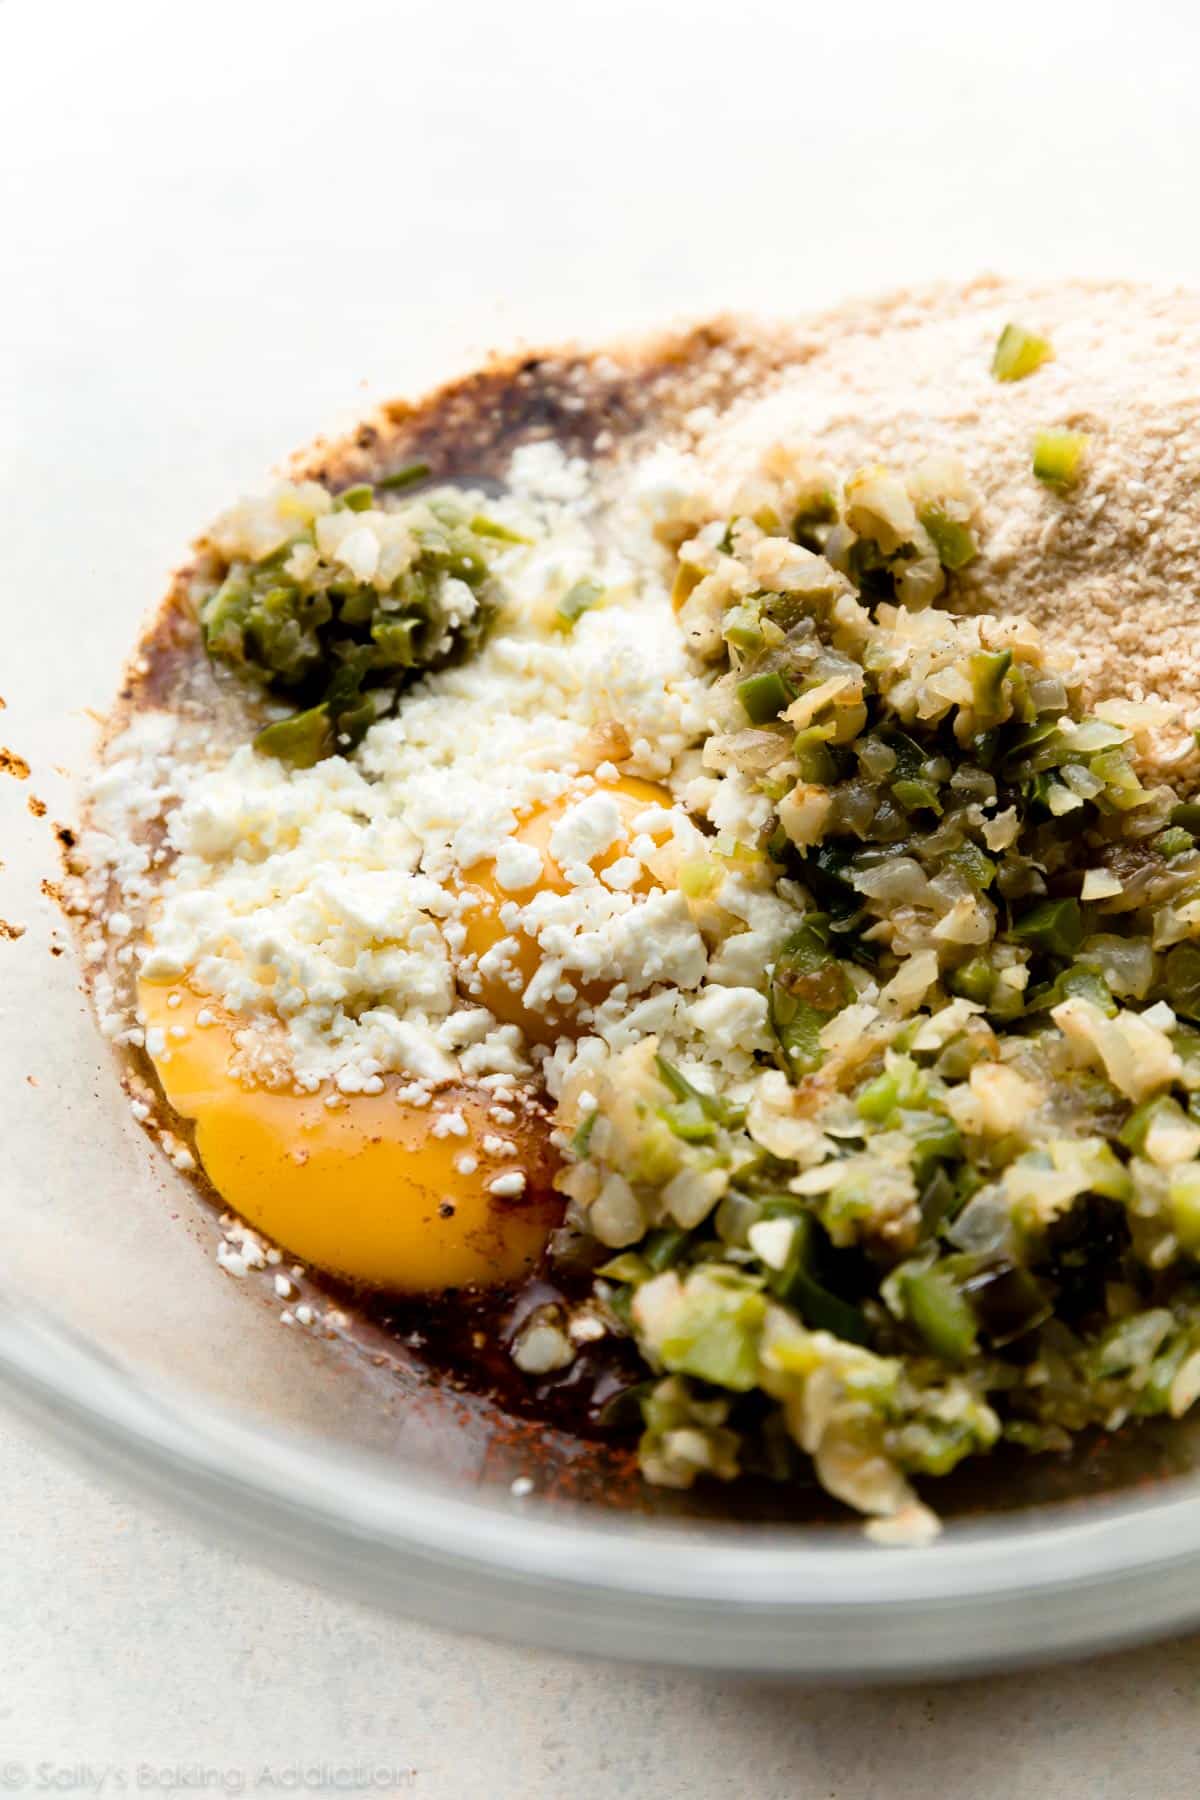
(503, 993)
(369, 1187)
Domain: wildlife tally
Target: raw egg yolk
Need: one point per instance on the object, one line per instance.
(371, 1188)
(503, 993)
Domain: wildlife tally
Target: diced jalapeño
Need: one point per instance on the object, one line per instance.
(764, 697)
(1059, 457)
(1018, 353)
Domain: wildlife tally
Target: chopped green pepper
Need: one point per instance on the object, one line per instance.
(581, 1137)
(721, 1112)
(1052, 925)
(954, 542)
(764, 697)
(939, 1312)
(808, 986)
(934, 1138)
(662, 1249)
(901, 1084)
(1018, 353)
(987, 670)
(1175, 841)
(689, 1120)
(1059, 457)
(485, 526)
(404, 477)
(742, 628)
(301, 741)
(814, 759)
(1181, 978)
(576, 601)
(1183, 1203)
(799, 1283)
(1005, 1298)
(714, 1332)
(917, 796)
(338, 648)
(822, 509)
(970, 861)
(974, 980)
(1161, 1109)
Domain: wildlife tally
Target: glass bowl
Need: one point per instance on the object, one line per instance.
(338, 1457)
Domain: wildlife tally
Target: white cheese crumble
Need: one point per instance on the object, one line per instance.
(518, 866)
(239, 1250)
(324, 906)
(586, 830)
(330, 910)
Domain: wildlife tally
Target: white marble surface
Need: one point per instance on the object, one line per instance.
(226, 227)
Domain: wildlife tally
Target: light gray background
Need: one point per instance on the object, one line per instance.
(129, 1644)
(225, 227)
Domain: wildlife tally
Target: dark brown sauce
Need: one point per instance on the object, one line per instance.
(467, 1334)
(462, 1342)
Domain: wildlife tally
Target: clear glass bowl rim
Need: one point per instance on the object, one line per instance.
(1021, 1589)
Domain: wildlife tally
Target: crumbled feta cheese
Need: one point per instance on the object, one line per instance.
(731, 1018)
(622, 874)
(587, 829)
(518, 866)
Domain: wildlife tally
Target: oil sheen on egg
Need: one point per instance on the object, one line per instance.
(371, 1188)
(485, 928)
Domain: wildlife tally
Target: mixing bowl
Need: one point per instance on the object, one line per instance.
(338, 1457)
